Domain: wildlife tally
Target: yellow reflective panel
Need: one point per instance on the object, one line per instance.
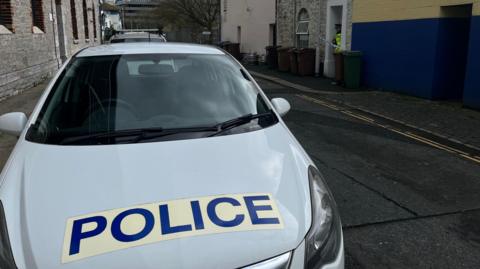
(116, 229)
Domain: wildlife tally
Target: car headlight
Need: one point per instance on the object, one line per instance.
(6, 256)
(322, 242)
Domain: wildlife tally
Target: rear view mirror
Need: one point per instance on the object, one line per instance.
(281, 105)
(13, 123)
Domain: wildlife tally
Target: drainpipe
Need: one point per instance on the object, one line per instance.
(52, 19)
(275, 38)
(220, 10)
(100, 22)
(294, 23)
(317, 53)
(317, 60)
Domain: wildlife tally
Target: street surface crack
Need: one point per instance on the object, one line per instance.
(474, 210)
(368, 187)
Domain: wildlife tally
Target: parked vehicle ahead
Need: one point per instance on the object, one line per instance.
(135, 37)
(161, 156)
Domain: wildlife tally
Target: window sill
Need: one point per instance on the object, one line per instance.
(87, 40)
(5, 31)
(75, 41)
(36, 30)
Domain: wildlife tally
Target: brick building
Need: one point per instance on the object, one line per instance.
(311, 23)
(36, 36)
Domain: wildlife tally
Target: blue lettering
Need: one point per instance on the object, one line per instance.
(212, 214)
(78, 235)
(165, 223)
(252, 210)
(197, 215)
(117, 221)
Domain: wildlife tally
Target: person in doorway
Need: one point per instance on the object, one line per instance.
(337, 42)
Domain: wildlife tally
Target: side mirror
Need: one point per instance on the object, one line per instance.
(13, 123)
(281, 105)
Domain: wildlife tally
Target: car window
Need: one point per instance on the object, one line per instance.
(129, 92)
(134, 66)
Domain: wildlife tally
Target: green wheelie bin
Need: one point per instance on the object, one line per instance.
(352, 61)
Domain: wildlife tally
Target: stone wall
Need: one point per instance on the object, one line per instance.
(287, 17)
(27, 58)
(288, 11)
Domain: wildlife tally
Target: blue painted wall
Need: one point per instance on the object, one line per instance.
(471, 95)
(398, 55)
(426, 57)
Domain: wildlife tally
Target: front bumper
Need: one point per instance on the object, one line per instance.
(296, 260)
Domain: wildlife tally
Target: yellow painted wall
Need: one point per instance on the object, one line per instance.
(393, 10)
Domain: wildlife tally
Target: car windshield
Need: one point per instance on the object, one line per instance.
(111, 94)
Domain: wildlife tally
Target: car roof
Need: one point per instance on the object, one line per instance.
(135, 35)
(148, 48)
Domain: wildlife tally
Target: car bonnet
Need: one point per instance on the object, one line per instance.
(220, 202)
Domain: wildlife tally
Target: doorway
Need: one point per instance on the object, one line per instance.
(452, 52)
(60, 31)
(239, 34)
(272, 40)
(335, 15)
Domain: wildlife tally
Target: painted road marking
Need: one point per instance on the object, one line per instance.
(358, 116)
(410, 135)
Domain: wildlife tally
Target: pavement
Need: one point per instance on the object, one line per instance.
(446, 119)
(407, 200)
(23, 102)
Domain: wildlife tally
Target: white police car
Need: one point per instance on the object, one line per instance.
(161, 156)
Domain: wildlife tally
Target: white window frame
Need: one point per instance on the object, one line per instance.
(303, 23)
(306, 33)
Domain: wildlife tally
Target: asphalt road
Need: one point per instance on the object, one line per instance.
(403, 203)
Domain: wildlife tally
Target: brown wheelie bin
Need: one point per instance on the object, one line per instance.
(293, 55)
(306, 62)
(283, 59)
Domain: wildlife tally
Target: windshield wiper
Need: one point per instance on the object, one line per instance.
(137, 134)
(225, 126)
(152, 133)
(217, 129)
(173, 131)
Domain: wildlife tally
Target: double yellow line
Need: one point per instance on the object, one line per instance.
(410, 135)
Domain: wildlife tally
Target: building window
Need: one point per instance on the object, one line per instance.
(94, 21)
(73, 13)
(6, 14)
(37, 15)
(85, 19)
(302, 29)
